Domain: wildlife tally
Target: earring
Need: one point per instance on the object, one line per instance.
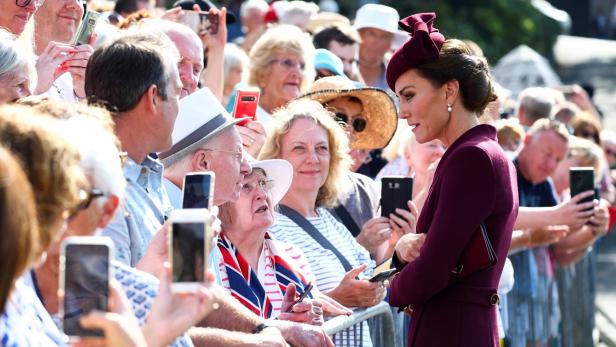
(449, 108)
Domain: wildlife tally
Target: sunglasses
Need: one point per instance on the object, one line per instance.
(358, 124)
(25, 3)
(85, 200)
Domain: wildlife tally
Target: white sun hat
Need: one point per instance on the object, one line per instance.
(377, 16)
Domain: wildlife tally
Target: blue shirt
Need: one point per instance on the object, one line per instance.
(144, 209)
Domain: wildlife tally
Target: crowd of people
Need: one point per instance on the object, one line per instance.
(96, 140)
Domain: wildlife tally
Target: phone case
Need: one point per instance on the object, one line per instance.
(86, 28)
(395, 192)
(198, 190)
(88, 241)
(246, 102)
(581, 179)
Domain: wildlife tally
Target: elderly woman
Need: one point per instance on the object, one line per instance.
(247, 251)
(281, 67)
(307, 136)
(16, 69)
(235, 63)
(443, 88)
(15, 14)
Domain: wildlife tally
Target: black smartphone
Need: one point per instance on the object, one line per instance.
(582, 179)
(395, 192)
(198, 190)
(383, 276)
(303, 296)
(188, 248)
(84, 278)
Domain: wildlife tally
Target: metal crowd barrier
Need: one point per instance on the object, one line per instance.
(347, 330)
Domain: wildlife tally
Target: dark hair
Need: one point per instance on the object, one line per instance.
(457, 62)
(323, 38)
(125, 6)
(121, 71)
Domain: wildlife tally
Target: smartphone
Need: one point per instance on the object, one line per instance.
(84, 279)
(201, 22)
(86, 28)
(198, 190)
(395, 192)
(382, 276)
(303, 296)
(582, 179)
(188, 248)
(246, 102)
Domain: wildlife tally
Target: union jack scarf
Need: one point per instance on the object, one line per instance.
(244, 283)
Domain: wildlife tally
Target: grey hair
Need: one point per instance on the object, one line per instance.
(13, 56)
(250, 4)
(298, 9)
(537, 102)
(234, 56)
(100, 158)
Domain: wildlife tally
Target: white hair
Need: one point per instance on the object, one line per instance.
(14, 57)
(298, 12)
(250, 4)
(100, 159)
(234, 56)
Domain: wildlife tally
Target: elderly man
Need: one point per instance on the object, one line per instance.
(376, 25)
(205, 139)
(55, 24)
(136, 77)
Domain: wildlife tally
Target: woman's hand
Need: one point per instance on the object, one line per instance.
(216, 42)
(352, 292)
(51, 64)
(331, 307)
(600, 222)
(405, 221)
(173, 313)
(374, 232)
(77, 66)
(307, 311)
(253, 137)
(119, 324)
(546, 236)
(409, 246)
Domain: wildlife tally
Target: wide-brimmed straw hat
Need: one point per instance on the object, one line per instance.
(378, 109)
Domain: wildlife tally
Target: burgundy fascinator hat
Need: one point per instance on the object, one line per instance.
(422, 47)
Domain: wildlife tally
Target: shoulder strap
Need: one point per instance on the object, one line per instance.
(347, 220)
(303, 223)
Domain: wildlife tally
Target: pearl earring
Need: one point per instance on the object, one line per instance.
(449, 108)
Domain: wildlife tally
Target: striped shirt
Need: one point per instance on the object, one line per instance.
(324, 264)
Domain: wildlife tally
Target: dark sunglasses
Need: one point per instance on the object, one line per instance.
(85, 200)
(359, 124)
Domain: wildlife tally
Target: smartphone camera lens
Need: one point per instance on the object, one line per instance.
(248, 98)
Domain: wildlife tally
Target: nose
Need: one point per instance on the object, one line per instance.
(245, 168)
(312, 156)
(75, 4)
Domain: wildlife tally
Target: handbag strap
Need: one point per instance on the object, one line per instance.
(347, 220)
(303, 223)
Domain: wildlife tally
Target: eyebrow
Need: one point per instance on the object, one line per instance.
(405, 88)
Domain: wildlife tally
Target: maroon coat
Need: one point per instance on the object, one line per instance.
(474, 183)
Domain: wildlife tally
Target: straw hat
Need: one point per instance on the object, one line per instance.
(379, 109)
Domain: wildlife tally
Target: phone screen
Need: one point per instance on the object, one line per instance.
(198, 188)
(188, 249)
(86, 285)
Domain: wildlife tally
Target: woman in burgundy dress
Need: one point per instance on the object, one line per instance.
(443, 89)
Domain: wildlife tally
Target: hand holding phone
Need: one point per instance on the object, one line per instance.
(85, 271)
(189, 247)
(86, 28)
(582, 179)
(246, 102)
(301, 298)
(201, 22)
(383, 276)
(396, 191)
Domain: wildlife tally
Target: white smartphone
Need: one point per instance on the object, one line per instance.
(189, 246)
(198, 190)
(85, 271)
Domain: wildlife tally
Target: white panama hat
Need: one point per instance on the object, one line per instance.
(377, 16)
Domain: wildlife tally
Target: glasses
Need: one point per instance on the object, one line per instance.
(85, 200)
(590, 135)
(25, 3)
(358, 124)
(238, 155)
(289, 64)
(265, 185)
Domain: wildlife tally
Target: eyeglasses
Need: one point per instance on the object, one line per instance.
(590, 135)
(85, 200)
(289, 64)
(25, 3)
(358, 124)
(238, 155)
(265, 185)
